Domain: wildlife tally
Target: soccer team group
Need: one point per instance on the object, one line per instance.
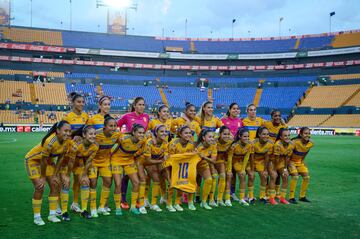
(137, 149)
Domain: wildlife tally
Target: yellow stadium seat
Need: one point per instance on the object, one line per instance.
(346, 40)
(14, 91)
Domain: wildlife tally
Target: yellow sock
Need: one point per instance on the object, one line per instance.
(221, 188)
(76, 189)
(134, 197)
(191, 197)
(163, 188)
(64, 197)
(147, 188)
(117, 200)
(84, 191)
(304, 186)
(242, 193)
(142, 193)
(227, 194)
(262, 191)
(53, 202)
(155, 192)
(178, 197)
(251, 192)
(293, 183)
(277, 189)
(92, 199)
(36, 205)
(283, 192)
(104, 196)
(272, 193)
(206, 189)
(213, 187)
(169, 199)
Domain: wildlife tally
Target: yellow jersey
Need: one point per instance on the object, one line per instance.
(179, 122)
(222, 151)
(84, 154)
(238, 151)
(212, 124)
(273, 129)
(283, 151)
(155, 122)
(102, 157)
(156, 152)
(127, 151)
(175, 147)
(300, 150)
(52, 149)
(252, 126)
(97, 121)
(260, 150)
(210, 152)
(76, 121)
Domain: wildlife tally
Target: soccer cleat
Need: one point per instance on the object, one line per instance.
(162, 200)
(170, 208)
(293, 201)
(263, 201)
(118, 212)
(107, 209)
(85, 214)
(272, 201)
(146, 203)
(221, 203)
(178, 208)
(58, 211)
(212, 203)
(191, 206)
(94, 214)
(243, 202)
(142, 210)
(252, 201)
(184, 198)
(103, 211)
(234, 197)
(283, 201)
(197, 199)
(53, 218)
(65, 217)
(134, 211)
(39, 221)
(125, 205)
(304, 199)
(75, 207)
(155, 208)
(228, 203)
(205, 205)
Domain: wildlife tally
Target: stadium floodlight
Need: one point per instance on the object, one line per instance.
(119, 4)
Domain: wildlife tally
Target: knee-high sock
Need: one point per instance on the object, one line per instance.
(170, 195)
(293, 183)
(147, 188)
(206, 189)
(262, 191)
(53, 202)
(277, 189)
(155, 192)
(134, 197)
(36, 205)
(104, 196)
(142, 193)
(251, 192)
(304, 186)
(213, 187)
(221, 189)
(64, 197)
(84, 191)
(92, 199)
(227, 195)
(117, 200)
(283, 192)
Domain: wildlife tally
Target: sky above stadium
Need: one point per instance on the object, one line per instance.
(205, 18)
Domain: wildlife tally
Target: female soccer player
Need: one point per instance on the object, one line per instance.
(43, 162)
(106, 138)
(155, 153)
(283, 150)
(181, 144)
(239, 155)
(123, 161)
(187, 118)
(206, 119)
(263, 148)
(232, 119)
(222, 167)
(97, 120)
(136, 116)
(206, 147)
(251, 122)
(77, 118)
(302, 145)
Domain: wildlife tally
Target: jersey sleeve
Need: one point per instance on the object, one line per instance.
(218, 122)
(277, 149)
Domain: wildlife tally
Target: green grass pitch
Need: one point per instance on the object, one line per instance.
(334, 165)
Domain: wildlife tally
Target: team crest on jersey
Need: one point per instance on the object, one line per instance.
(144, 118)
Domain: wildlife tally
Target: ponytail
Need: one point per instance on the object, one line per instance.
(302, 129)
(82, 130)
(240, 133)
(53, 129)
(278, 136)
(259, 131)
(202, 135)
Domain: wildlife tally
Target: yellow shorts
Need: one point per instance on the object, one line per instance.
(103, 171)
(297, 168)
(280, 165)
(219, 161)
(124, 169)
(50, 170)
(78, 170)
(32, 169)
(259, 166)
(64, 169)
(202, 166)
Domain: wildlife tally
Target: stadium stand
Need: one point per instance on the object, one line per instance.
(345, 76)
(307, 120)
(355, 100)
(14, 91)
(51, 93)
(281, 97)
(347, 120)
(346, 40)
(31, 35)
(309, 43)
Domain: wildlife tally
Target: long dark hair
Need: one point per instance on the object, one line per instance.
(188, 105)
(160, 108)
(247, 107)
(240, 133)
(222, 128)
(274, 111)
(74, 96)
(181, 129)
(53, 129)
(82, 130)
(107, 118)
(302, 129)
(229, 108)
(202, 112)
(101, 100)
(136, 100)
(278, 136)
(259, 131)
(202, 134)
(135, 128)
